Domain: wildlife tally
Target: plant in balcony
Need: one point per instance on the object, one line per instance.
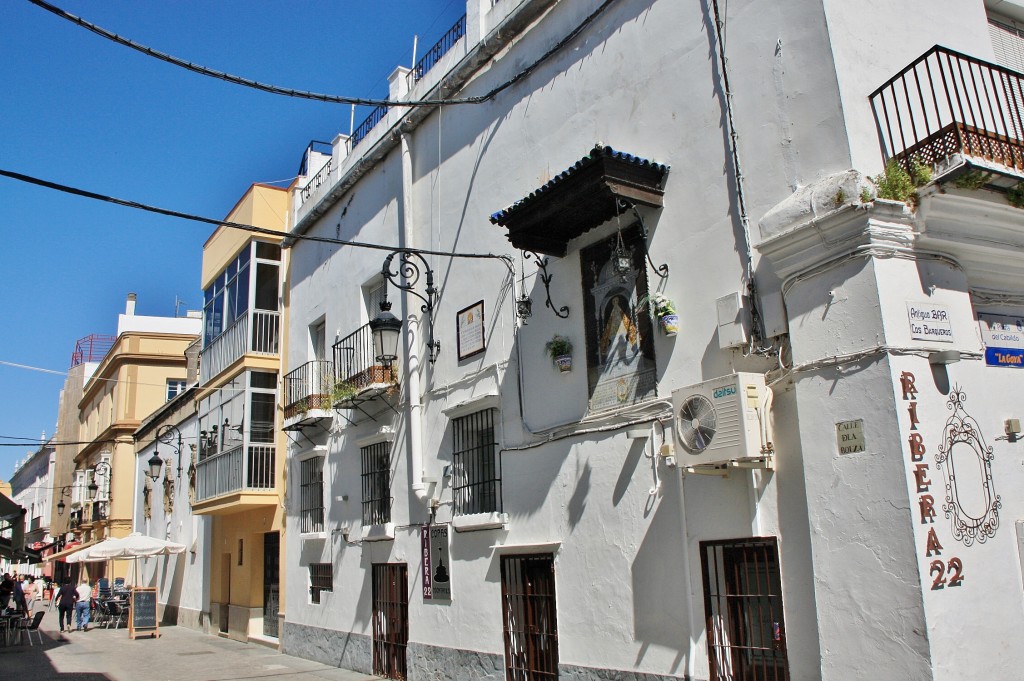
(973, 179)
(664, 310)
(1015, 195)
(559, 348)
(899, 184)
(342, 391)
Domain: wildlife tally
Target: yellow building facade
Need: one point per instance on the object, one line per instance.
(144, 367)
(239, 478)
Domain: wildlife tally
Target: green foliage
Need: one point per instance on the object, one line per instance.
(840, 198)
(921, 173)
(558, 346)
(895, 183)
(1015, 195)
(302, 406)
(342, 390)
(973, 179)
(865, 195)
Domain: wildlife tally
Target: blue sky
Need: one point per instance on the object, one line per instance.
(83, 111)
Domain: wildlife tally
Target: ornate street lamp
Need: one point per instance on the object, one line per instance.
(102, 468)
(386, 328)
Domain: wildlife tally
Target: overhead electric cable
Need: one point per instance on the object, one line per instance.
(21, 177)
(304, 94)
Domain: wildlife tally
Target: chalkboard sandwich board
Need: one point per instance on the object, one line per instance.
(142, 616)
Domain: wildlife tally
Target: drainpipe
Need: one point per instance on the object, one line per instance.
(412, 357)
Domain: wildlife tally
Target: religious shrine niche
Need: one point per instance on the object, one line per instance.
(971, 504)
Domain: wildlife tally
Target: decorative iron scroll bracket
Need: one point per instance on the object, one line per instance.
(411, 267)
(545, 277)
(622, 204)
(164, 435)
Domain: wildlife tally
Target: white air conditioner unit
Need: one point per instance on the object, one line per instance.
(721, 420)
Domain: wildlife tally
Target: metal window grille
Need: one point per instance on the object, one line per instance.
(529, 614)
(476, 485)
(321, 578)
(311, 495)
(390, 619)
(376, 477)
(743, 605)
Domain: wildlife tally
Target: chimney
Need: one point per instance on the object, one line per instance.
(129, 308)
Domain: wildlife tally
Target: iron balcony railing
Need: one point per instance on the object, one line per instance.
(946, 103)
(354, 363)
(241, 468)
(256, 332)
(440, 48)
(375, 117)
(317, 181)
(308, 387)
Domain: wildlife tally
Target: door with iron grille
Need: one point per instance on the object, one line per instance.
(390, 619)
(271, 587)
(743, 605)
(530, 623)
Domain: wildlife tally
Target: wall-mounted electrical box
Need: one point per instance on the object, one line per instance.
(733, 320)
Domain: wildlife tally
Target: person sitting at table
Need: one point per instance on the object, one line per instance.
(66, 597)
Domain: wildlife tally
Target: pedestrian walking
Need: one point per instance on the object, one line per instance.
(66, 597)
(82, 606)
(31, 594)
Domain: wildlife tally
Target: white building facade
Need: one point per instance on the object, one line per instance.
(839, 505)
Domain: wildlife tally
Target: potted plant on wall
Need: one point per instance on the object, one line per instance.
(664, 310)
(559, 348)
(342, 391)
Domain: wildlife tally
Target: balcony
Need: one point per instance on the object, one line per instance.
(947, 103)
(260, 337)
(307, 392)
(236, 478)
(359, 378)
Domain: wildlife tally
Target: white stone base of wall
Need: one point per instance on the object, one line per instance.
(425, 662)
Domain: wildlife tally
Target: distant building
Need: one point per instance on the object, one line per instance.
(31, 488)
(144, 365)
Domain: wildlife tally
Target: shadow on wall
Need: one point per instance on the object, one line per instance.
(660, 614)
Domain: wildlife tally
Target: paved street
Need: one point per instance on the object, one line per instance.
(179, 654)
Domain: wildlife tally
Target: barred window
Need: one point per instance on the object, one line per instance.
(477, 473)
(321, 578)
(376, 483)
(311, 495)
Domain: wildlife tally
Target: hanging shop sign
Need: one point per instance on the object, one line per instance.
(436, 578)
(929, 322)
(1003, 336)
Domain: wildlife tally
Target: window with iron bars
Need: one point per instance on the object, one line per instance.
(476, 484)
(376, 477)
(321, 578)
(311, 495)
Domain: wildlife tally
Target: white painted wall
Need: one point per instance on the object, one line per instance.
(643, 79)
(180, 579)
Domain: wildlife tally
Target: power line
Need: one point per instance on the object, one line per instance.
(304, 94)
(237, 225)
(239, 80)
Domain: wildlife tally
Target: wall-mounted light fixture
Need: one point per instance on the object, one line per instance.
(65, 491)
(386, 327)
(102, 468)
(164, 435)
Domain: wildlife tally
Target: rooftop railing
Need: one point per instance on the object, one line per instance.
(375, 117)
(947, 103)
(440, 48)
(317, 180)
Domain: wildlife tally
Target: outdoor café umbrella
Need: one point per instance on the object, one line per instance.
(135, 545)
